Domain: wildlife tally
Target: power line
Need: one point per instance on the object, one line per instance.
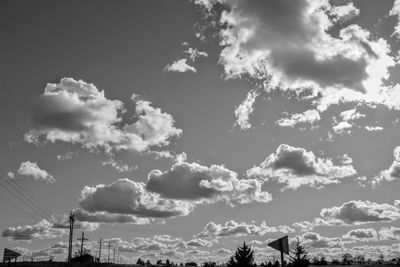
(18, 188)
(18, 198)
(17, 207)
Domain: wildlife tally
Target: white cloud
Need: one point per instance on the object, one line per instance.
(373, 129)
(130, 198)
(295, 167)
(309, 116)
(362, 234)
(232, 228)
(77, 112)
(289, 45)
(245, 109)
(315, 240)
(67, 156)
(389, 233)
(194, 53)
(41, 230)
(197, 183)
(180, 65)
(342, 127)
(392, 173)
(395, 11)
(358, 212)
(105, 217)
(351, 115)
(344, 13)
(31, 169)
(118, 165)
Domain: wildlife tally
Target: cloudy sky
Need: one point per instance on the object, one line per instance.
(179, 129)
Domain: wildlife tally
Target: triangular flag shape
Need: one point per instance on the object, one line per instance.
(10, 254)
(281, 244)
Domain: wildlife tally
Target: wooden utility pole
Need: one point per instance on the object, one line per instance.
(82, 239)
(109, 246)
(100, 251)
(71, 234)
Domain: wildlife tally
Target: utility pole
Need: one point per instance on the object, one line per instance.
(114, 256)
(71, 234)
(100, 251)
(82, 239)
(109, 246)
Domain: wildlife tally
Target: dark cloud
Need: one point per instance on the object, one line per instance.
(131, 198)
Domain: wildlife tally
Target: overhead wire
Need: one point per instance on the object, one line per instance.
(28, 196)
(21, 195)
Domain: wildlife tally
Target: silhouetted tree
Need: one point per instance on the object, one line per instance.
(360, 259)
(190, 263)
(209, 264)
(168, 263)
(335, 261)
(347, 258)
(381, 258)
(300, 258)
(244, 256)
(140, 262)
(159, 262)
(319, 261)
(231, 262)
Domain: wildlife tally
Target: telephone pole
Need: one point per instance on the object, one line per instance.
(100, 251)
(71, 234)
(109, 246)
(82, 239)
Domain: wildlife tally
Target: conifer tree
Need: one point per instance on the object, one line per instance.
(300, 258)
(244, 257)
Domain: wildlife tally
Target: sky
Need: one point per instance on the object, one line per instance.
(179, 129)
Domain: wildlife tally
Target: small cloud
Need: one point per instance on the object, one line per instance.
(363, 234)
(295, 167)
(118, 165)
(309, 116)
(180, 65)
(31, 169)
(245, 109)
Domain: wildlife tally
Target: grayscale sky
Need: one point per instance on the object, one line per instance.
(179, 129)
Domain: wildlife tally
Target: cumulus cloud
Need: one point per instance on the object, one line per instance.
(344, 13)
(31, 169)
(307, 117)
(77, 112)
(289, 45)
(357, 212)
(389, 233)
(180, 65)
(194, 53)
(198, 183)
(295, 167)
(395, 11)
(392, 173)
(245, 109)
(351, 115)
(232, 228)
(315, 240)
(363, 234)
(131, 198)
(105, 217)
(40, 230)
(118, 165)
